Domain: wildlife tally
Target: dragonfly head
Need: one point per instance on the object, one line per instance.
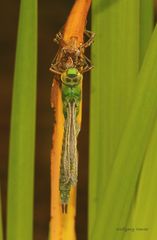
(71, 77)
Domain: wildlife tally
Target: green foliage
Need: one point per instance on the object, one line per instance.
(123, 111)
(114, 53)
(22, 137)
(146, 25)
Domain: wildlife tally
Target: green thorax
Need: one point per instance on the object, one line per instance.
(71, 89)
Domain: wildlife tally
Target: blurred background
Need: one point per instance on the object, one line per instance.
(52, 16)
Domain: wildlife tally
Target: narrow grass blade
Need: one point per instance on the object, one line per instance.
(144, 215)
(1, 223)
(115, 55)
(146, 25)
(120, 192)
(136, 218)
(22, 137)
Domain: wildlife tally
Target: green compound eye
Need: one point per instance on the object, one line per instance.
(72, 72)
(68, 80)
(71, 77)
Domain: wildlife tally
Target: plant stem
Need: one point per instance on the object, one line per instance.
(62, 226)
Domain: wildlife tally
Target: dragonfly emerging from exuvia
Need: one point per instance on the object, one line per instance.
(68, 66)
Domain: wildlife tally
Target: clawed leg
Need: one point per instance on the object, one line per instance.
(52, 69)
(88, 65)
(91, 36)
(56, 61)
(58, 38)
(55, 68)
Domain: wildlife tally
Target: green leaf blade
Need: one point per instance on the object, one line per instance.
(145, 208)
(146, 25)
(22, 137)
(115, 55)
(128, 163)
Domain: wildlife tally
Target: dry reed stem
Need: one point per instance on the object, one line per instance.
(62, 226)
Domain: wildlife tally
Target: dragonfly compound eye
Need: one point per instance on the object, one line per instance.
(71, 77)
(68, 80)
(72, 72)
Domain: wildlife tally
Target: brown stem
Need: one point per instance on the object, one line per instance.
(76, 22)
(62, 226)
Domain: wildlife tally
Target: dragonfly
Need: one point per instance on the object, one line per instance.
(69, 65)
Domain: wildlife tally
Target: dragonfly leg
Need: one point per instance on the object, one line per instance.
(91, 36)
(58, 38)
(89, 33)
(54, 69)
(87, 65)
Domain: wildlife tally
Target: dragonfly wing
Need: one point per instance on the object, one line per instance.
(73, 146)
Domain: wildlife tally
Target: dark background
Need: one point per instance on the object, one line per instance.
(52, 16)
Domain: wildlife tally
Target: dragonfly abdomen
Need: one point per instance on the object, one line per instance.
(69, 157)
